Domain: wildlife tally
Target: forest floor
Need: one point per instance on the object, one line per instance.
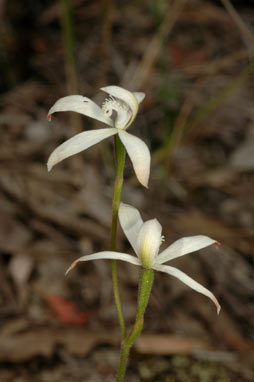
(195, 64)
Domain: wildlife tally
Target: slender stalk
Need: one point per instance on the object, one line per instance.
(69, 57)
(120, 161)
(145, 287)
(107, 8)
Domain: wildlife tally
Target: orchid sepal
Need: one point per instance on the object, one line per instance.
(106, 255)
(187, 280)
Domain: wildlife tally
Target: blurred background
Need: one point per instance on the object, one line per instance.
(194, 61)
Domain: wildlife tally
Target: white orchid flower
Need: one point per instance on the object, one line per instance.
(125, 105)
(145, 239)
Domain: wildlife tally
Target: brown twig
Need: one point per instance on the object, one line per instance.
(246, 33)
(107, 9)
(152, 51)
(69, 57)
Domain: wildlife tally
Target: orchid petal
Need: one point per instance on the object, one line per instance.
(139, 155)
(188, 281)
(149, 241)
(125, 95)
(77, 144)
(184, 246)
(140, 96)
(82, 105)
(131, 222)
(106, 255)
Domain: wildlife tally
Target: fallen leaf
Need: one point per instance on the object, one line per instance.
(13, 234)
(242, 158)
(23, 346)
(20, 268)
(165, 344)
(184, 57)
(66, 311)
(196, 222)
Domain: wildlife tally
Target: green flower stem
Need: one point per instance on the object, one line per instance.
(146, 283)
(120, 161)
(145, 287)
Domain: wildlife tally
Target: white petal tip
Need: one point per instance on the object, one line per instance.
(216, 303)
(49, 167)
(143, 182)
(73, 265)
(140, 96)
